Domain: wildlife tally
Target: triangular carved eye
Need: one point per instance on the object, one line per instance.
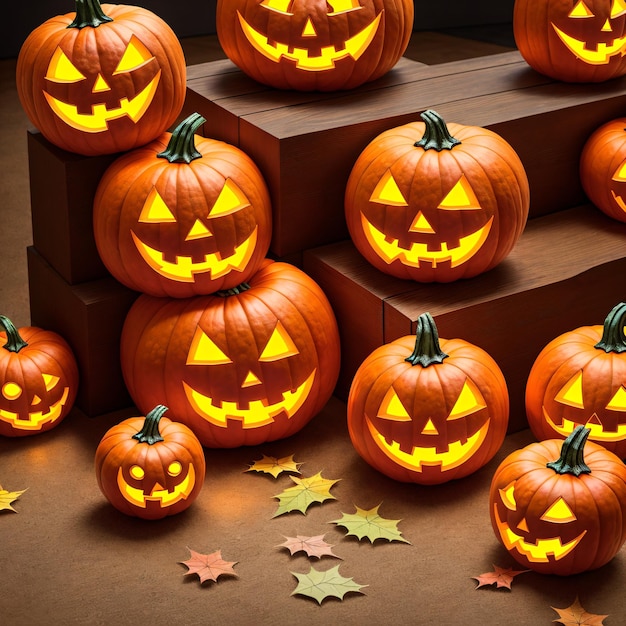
(508, 497)
(62, 70)
(50, 381)
(618, 8)
(280, 6)
(620, 173)
(571, 393)
(135, 55)
(342, 6)
(618, 401)
(580, 10)
(155, 210)
(230, 200)
(469, 401)
(460, 197)
(559, 513)
(204, 351)
(388, 192)
(279, 346)
(391, 408)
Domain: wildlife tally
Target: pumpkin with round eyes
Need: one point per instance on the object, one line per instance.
(579, 378)
(428, 411)
(183, 215)
(309, 45)
(150, 467)
(603, 168)
(241, 367)
(573, 41)
(559, 507)
(424, 205)
(38, 379)
(105, 79)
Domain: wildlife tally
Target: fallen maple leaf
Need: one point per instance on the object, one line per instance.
(500, 577)
(369, 524)
(7, 497)
(208, 566)
(272, 465)
(320, 585)
(313, 546)
(304, 493)
(575, 615)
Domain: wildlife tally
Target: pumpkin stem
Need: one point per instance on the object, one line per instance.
(149, 432)
(89, 13)
(613, 337)
(224, 293)
(436, 134)
(14, 341)
(572, 459)
(427, 350)
(182, 147)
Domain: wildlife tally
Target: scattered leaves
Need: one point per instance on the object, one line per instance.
(272, 465)
(208, 566)
(321, 585)
(575, 615)
(500, 577)
(313, 546)
(369, 524)
(8, 497)
(304, 493)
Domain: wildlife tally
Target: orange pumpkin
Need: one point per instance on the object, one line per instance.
(424, 205)
(102, 80)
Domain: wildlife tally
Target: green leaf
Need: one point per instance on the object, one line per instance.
(369, 524)
(321, 585)
(304, 493)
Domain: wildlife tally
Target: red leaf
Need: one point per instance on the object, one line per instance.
(500, 577)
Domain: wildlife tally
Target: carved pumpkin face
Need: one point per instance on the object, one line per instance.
(314, 44)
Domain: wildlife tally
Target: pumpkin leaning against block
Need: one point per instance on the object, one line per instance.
(182, 216)
(433, 202)
(426, 410)
(105, 79)
(38, 379)
(559, 507)
(579, 378)
(150, 467)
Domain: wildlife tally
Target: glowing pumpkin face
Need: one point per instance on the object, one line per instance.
(314, 44)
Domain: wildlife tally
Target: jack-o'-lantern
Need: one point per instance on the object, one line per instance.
(99, 83)
(559, 507)
(308, 45)
(183, 215)
(425, 410)
(38, 379)
(150, 467)
(241, 367)
(603, 168)
(579, 378)
(424, 205)
(572, 40)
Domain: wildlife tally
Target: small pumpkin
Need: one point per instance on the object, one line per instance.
(150, 467)
(105, 79)
(426, 410)
(182, 216)
(579, 378)
(603, 168)
(559, 507)
(432, 202)
(240, 367)
(312, 45)
(38, 379)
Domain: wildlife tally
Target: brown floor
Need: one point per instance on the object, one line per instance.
(67, 557)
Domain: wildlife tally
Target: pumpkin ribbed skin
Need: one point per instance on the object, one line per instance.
(242, 368)
(96, 52)
(311, 25)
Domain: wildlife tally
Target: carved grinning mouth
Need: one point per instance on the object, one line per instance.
(597, 430)
(600, 56)
(158, 494)
(36, 419)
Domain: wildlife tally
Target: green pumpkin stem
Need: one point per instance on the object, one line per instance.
(14, 341)
(572, 459)
(149, 432)
(182, 147)
(89, 13)
(427, 350)
(613, 337)
(436, 134)
(224, 293)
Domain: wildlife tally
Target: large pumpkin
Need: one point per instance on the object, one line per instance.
(425, 205)
(102, 80)
(603, 168)
(314, 44)
(579, 378)
(183, 215)
(242, 367)
(150, 467)
(572, 40)
(559, 507)
(38, 379)
(425, 411)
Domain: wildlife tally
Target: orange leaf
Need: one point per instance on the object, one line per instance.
(500, 577)
(313, 546)
(208, 566)
(575, 615)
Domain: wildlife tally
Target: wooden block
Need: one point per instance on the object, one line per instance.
(62, 188)
(567, 270)
(90, 317)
